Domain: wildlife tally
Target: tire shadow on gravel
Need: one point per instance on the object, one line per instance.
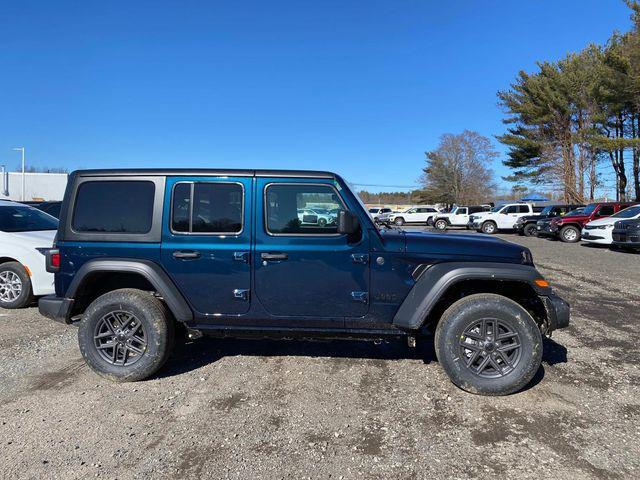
(191, 355)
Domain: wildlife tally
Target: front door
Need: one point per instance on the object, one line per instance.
(304, 268)
(206, 244)
(461, 217)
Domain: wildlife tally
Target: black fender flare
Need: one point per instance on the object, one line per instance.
(147, 269)
(436, 279)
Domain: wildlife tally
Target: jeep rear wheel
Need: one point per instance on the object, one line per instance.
(530, 230)
(15, 286)
(488, 344)
(399, 221)
(126, 335)
(569, 234)
(441, 225)
(489, 227)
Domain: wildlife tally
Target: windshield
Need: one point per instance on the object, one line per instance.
(547, 210)
(496, 209)
(589, 209)
(25, 219)
(630, 212)
(577, 211)
(355, 194)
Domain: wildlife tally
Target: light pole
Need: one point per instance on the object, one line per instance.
(21, 149)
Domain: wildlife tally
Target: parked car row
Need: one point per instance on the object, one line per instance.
(603, 223)
(418, 215)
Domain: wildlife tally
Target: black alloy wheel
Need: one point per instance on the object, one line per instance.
(120, 338)
(490, 348)
(530, 230)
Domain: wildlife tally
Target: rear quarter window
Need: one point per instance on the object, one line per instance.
(114, 206)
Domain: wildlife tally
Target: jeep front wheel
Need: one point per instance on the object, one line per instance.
(126, 335)
(488, 344)
(441, 225)
(489, 228)
(530, 230)
(399, 221)
(569, 234)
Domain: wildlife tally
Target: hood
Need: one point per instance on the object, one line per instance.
(574, 218)
(471, 246)
(603, 221)
(42, 238)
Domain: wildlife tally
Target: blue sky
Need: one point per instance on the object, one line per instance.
(359, 87)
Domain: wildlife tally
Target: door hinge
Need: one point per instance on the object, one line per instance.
(360, 257)
(241, 294)
(241, 257)
(361, 297)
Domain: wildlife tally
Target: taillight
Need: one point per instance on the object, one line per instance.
(52, 260)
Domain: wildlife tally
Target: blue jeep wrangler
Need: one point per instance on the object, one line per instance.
(235, 253)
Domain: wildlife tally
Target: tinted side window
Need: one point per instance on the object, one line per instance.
(512, 209)
(114, 207)
(606, 210)
(302, 209)
(217, 208)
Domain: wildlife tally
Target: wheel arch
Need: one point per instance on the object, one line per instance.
(441, 285)
(97, 277)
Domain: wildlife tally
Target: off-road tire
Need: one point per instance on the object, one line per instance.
(465, 313)
(157, 323)
(567, 234)
(26, 294)
(441, 225)
(399, 221)
(530, 230)
(489, 227)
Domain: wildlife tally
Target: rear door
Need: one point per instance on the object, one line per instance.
(207, 242)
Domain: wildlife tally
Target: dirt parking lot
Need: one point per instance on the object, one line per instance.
(266, 409)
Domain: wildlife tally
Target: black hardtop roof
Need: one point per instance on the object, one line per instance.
(116, 172)
(619, 202)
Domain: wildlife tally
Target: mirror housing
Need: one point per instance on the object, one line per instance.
(348, 223)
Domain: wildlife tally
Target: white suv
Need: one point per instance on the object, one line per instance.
(458, 217)
(502, 218)
(25, 234)
(413, 215)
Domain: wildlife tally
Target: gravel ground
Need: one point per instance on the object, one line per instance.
(266, 409)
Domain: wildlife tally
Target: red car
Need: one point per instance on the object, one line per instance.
(568, 228)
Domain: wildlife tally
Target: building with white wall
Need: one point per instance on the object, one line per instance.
(37, 186)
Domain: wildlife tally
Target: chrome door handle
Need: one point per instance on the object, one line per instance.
(186, 254)
(274, 256)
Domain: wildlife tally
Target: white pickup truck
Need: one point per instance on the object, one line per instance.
(502, 218)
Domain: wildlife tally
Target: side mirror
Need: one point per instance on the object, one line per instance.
(347, 223)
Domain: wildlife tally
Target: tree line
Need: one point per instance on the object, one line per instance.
(578, 118)
(571, 125)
